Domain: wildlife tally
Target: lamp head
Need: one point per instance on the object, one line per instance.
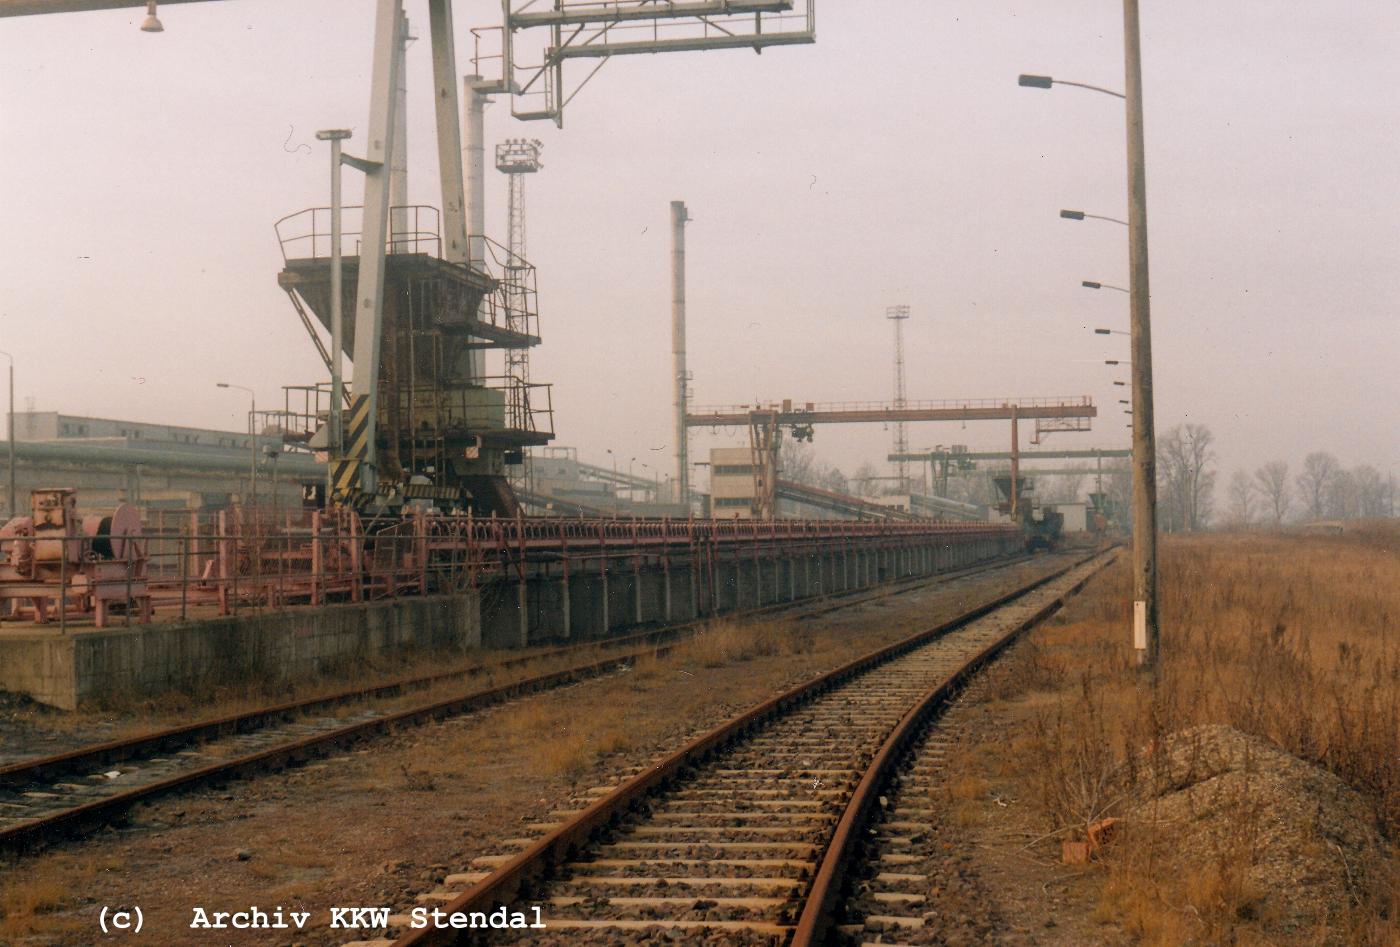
(151, 24)
(1072, 214)
(1035, 82)
(1090, 284)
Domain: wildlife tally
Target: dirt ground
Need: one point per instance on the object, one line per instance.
(380, 825)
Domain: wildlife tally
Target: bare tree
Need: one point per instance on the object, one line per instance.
(831, 478)
(1241, 493)
(1372, 497)
(866, 480)
(1271, 480)
(976, 489)
(1186, 484)
(1341, 501)
(1061, 488)
(799, 463)
(1319, 470)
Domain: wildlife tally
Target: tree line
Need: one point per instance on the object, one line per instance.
(1271, 495)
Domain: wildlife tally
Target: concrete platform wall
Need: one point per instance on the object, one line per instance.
(92, 665)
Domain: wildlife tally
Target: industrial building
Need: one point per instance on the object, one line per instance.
(153, 465)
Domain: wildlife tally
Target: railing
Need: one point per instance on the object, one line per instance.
(306, 235)
(793, 407)
(190, 565)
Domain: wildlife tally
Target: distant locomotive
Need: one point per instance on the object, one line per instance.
(1043, 530)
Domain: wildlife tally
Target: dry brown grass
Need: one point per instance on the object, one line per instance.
(726, 642)
(27, 905)
(1293, 639)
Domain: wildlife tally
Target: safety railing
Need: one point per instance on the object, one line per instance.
(306, 235)
(238, 561)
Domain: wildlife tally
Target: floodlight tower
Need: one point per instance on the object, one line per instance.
(515, 158)
(898, 314)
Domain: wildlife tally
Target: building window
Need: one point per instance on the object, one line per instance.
(732, 470)
(743, 502)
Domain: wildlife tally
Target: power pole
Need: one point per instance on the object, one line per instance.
(899, 314)
(1146, 639)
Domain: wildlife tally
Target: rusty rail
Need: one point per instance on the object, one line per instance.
(23, 773)
(505, 883)
(814, 925)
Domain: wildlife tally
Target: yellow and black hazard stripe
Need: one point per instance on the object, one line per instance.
(357, 429)
(345, 478)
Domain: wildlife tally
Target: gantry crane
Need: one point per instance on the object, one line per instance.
(765, 424)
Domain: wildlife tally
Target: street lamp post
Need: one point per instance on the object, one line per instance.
(11, 413)
(252, 441)
(1081, 215)
(335, 442)
(1146, 639)
(1145, 626)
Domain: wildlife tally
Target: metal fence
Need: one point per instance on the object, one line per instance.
(199, 565)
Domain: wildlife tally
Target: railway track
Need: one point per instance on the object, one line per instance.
(42, 799)
(744, 835)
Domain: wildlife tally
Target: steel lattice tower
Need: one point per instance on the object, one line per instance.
(898, 314)
(516, 158)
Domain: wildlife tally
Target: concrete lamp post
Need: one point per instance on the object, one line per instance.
(1146, 639)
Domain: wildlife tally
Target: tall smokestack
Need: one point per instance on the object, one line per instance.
(682, 379)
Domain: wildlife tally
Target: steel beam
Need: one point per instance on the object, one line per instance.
(37, 7)
(449, 131)
(369, 295)
(698, 43)
(1077, 454)
(913, 413)
(612, 13)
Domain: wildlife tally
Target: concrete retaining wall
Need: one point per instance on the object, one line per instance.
(91, 665)
(549, 606)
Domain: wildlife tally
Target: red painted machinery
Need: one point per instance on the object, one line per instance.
(54, 560)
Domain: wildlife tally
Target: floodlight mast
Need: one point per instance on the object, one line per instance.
(899, 314)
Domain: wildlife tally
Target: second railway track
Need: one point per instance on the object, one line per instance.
(42, 799)
(722, 841)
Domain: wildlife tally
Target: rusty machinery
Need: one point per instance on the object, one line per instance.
(55, 559)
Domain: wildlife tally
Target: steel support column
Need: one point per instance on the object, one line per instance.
(369, 294)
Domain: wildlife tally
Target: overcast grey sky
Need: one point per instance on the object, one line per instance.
(894, 161)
